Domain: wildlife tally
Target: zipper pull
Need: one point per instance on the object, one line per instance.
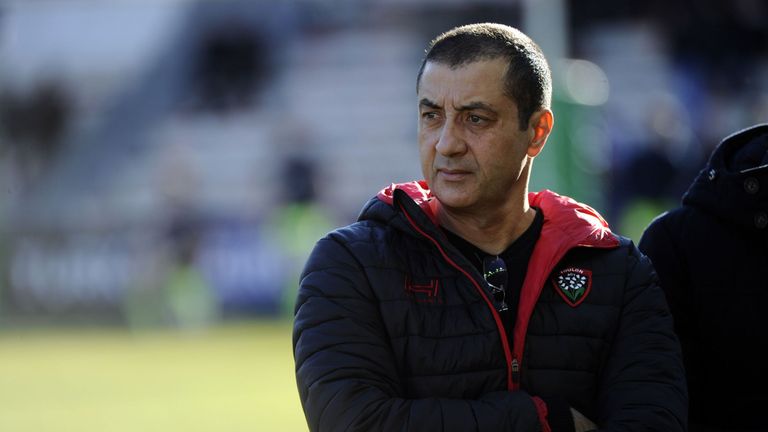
(515, 371)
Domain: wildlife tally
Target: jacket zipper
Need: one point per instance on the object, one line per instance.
(515, 372)
(513, 365)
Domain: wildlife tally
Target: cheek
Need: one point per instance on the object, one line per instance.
(497, 157)
(426, 145)
(426, 156)
(424, 135)
(512, 164)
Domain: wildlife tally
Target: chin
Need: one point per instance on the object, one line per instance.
(452, 198)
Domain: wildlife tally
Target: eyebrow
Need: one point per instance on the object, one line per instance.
(467, 107)
(476, 106)
(429, 104)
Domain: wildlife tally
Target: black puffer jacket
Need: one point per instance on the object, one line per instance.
(396, 331)
(712, 259)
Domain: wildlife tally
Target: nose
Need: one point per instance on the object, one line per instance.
(451, 141)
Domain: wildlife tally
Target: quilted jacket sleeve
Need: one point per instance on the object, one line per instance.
(643, 385)
(346, 372)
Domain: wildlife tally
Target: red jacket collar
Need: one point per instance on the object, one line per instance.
(570, 222)
(417, 190)
(573, 222)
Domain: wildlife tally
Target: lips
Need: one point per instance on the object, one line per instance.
(452, 174)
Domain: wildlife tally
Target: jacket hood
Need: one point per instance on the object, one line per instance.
(382, 208)
(573, 219)
(733, 186)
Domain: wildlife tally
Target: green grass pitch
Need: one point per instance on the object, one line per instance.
(237, 377)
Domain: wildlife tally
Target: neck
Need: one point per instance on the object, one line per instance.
(491, 231)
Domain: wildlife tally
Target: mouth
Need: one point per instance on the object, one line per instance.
(452, 174)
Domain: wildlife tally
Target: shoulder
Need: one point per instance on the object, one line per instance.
(362, 245)
(624, 266)
(336, 266)
(351, 238)
(367, 234)
(669, 222)
(613, 258)
(684, 230)
(358, 232)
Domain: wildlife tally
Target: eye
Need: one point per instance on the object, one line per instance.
(475, 119)
(429, 115)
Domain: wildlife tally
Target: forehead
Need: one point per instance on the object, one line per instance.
(477, 81)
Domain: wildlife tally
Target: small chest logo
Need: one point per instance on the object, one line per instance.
(573, 284)
(422, 291)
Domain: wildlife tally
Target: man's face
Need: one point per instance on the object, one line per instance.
(471, 147)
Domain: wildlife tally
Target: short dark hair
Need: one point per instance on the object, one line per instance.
(528, 80)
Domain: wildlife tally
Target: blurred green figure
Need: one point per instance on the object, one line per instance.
(298, 223)
(177, 294)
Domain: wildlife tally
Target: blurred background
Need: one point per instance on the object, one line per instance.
(166, 166)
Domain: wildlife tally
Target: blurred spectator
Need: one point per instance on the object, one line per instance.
(711, 255)
(231, 66)
(299, 222)
(34, 124)
(651, 177)
(190, 299)
(177, 293)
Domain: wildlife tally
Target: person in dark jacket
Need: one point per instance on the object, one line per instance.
(711, 255)
(464, 303)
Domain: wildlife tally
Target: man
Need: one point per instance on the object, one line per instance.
(463, 303)
(711, 255)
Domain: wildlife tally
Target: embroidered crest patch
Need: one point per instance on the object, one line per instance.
(573, 284)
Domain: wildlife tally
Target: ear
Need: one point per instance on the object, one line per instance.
(541, 126)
